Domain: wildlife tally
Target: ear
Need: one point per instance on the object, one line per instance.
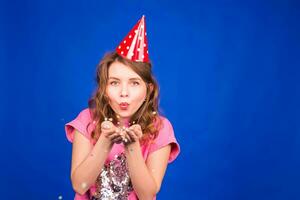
(150, 87)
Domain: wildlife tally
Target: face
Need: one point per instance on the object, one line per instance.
(125, 89)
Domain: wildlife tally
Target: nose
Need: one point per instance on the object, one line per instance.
(124, 92)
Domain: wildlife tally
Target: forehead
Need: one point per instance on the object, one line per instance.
(119, 70)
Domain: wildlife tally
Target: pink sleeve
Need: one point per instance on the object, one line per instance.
(80, 123)
(166, 136)
(81, 197)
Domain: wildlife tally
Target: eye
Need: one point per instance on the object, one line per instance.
(113, 83)
(135, 83)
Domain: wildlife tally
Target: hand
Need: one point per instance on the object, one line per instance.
(111, 132)
(134, 133)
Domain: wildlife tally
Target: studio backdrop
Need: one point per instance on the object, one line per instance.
(229, 80)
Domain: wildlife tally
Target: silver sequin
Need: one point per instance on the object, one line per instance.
(113, 183)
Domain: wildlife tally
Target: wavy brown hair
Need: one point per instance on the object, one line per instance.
(147, 116)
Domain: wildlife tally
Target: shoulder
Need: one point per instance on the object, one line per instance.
(165, 136)
(84, 118)
(165, 122)
(85, 114)
(81, 123)
(165, 128)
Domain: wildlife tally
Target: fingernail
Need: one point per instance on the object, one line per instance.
(106, 126)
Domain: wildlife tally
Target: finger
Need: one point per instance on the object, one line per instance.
(136, 127)
(108, 133)
(127, 139)
(117, 140)
(131, 135)
(137, 131)
(139, 134)
(113, 136)
(106, 125)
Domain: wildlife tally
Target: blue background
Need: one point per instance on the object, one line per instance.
(229, 78)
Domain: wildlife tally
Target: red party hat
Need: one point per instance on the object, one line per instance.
(135, 46)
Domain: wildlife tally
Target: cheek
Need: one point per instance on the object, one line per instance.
(111, 94)
(139, 95)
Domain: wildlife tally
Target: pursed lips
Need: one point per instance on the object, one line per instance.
(124, 105)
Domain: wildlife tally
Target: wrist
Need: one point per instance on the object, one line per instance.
(131, 145)
(107, 143)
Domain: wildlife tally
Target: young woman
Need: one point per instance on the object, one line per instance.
(121, 145)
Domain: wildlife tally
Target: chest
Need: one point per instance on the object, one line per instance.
(114, 182)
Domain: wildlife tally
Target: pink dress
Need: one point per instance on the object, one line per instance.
(114, 182)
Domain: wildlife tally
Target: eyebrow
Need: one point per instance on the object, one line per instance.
(136, 78)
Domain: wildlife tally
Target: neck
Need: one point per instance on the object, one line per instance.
(124, 121)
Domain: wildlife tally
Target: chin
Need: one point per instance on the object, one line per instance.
(125, 114)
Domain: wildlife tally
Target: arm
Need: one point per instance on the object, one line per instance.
(87, 161)
(146, 177)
